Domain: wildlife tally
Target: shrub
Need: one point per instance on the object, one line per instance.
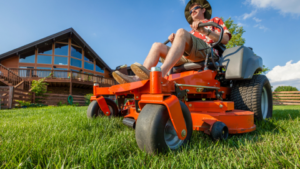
(285, 88)
(87, 98)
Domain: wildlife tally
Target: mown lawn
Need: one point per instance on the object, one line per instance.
(63, 137)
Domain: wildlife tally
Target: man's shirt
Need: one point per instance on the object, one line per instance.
(213, 29)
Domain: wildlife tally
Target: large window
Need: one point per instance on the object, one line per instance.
(60, 74)
(27, 57)
(43, 73)
(26, 71)
(60, 60)
(47, 50)
(76, 52)
(88, 66)
(44, 59)
(98, 69)
(61, 49)
(76, 62)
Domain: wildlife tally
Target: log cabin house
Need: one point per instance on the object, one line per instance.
(69, 63)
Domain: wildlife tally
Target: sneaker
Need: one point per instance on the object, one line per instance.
(121, 78)
(140, 71)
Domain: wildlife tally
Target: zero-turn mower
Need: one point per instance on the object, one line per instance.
(217, 97)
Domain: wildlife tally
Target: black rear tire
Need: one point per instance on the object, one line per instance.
(94, 110)
(154, 131)
(254, 95)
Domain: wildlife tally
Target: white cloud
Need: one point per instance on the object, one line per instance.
(249, 15)
(285, 6)
(256, 19)
(287, 75)
(260, 26)
(182, 1)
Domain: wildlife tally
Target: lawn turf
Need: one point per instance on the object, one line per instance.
(63, 137)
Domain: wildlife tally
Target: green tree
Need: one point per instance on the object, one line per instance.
(236, 33)
(285, 88)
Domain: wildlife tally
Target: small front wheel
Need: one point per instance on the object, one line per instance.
(94, 110)
(219, 131)
(154, 131)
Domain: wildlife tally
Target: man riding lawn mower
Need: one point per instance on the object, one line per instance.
(201, 86)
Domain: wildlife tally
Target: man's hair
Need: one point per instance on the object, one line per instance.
(193, 4)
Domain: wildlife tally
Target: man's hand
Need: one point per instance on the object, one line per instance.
(171, 37)
(195, 25)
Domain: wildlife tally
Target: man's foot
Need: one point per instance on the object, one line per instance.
(121, 78)
(140, 71)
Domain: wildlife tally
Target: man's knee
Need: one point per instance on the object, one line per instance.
(157, 46)
(181, 32)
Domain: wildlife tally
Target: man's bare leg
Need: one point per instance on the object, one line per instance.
(182, 42)
(157, 50)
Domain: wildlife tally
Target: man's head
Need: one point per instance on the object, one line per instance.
(197, 11)
(200, 9)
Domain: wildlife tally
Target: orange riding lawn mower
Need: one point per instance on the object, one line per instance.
(218, 97)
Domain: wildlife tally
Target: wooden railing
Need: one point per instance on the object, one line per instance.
(62, 74)
(286, 98)
(9, 76)
(55, 99)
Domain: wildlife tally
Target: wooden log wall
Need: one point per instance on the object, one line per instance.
(5, 97)
(54, 99)
(286, 98)
(9, 96)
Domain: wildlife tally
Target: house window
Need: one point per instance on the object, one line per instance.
(61, 49)
(60, 74)
(76, 62)
(27, 58)
(98, 69)
(43, 73)
(89, 66)
(47, 50)
(60, 60)
(44, 59)
(26, 71)
(76, 52)
(88, 58)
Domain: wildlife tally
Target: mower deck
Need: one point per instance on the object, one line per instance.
(206, 113)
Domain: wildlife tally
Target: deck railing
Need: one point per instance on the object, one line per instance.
(9, 76)
(27, 74)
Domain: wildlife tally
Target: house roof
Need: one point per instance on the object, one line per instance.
(56, 37)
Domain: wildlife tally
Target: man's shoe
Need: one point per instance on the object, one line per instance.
(140, 71)
(121, 78)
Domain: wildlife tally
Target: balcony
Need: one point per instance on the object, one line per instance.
(63, 76)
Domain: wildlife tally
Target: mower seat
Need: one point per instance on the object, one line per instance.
(187, 67)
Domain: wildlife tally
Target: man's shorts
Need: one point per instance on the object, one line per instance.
(194, 55)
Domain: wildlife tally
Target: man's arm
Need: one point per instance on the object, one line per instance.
(215, 36)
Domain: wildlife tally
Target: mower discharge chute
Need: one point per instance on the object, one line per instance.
(217, 97)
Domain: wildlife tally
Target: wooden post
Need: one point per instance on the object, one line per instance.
(11, 96)
(71, 83)
(33, 97)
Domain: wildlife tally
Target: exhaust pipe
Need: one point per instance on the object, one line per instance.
(129, 122)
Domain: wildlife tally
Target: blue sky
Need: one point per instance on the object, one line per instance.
(122, 32)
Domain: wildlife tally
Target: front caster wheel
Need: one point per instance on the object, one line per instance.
(94, 110)
(154, 131)
(219, 131)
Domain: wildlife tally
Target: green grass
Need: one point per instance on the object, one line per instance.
(63, 137)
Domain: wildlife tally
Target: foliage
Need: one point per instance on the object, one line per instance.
(39, 87)
(87, 98)
(285, 88)
(236, 33)
(22, 103)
